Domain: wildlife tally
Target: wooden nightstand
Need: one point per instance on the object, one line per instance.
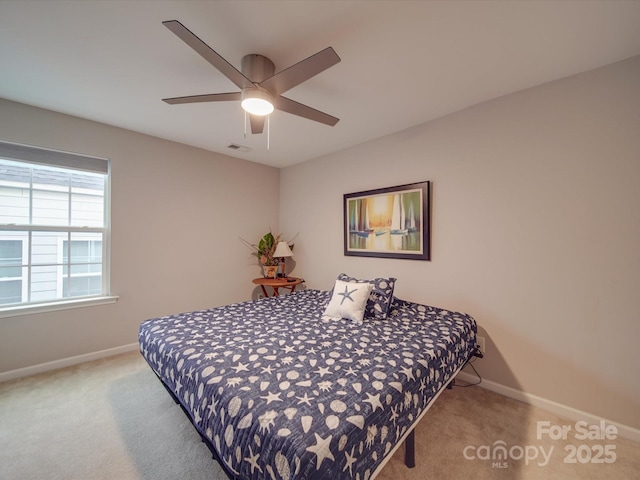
(277, 283)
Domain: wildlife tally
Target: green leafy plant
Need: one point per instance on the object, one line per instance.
(266, 247)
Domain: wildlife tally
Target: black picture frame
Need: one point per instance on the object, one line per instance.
(392, 222)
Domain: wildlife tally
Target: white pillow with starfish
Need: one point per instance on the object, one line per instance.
(349, 301)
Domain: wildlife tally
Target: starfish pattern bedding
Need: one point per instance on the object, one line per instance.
(281, 393)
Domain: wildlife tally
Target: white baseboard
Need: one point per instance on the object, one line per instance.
(66, 362)
(551, 406)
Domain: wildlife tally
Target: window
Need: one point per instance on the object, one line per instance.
(53, 226)
(11, 259)
(83, 277)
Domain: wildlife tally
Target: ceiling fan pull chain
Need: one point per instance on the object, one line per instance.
(245, 124)
(268, 131)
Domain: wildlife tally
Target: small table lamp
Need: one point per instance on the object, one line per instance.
(282, 251)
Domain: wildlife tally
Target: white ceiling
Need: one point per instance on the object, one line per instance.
(403, 63)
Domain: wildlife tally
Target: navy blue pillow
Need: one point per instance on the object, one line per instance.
(380, 297)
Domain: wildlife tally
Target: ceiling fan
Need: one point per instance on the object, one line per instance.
(261, 89)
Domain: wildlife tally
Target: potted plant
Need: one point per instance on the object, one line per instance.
(266, 247)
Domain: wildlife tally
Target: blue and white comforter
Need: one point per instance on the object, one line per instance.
(281, 393)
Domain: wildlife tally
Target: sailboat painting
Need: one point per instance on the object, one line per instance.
(391, 222)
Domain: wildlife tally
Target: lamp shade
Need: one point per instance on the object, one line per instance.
(256, 102)
(282, 250)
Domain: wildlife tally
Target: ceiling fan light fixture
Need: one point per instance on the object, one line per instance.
(256, 101)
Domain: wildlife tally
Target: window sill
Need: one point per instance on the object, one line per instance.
(54, 306)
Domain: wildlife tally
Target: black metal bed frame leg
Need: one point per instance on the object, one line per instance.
(410, 450)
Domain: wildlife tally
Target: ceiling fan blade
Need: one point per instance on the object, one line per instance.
(257, 123)
(210, 55)
(290, 106)
(211, 97)
(301, 71)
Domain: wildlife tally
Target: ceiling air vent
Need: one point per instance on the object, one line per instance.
(239, 148)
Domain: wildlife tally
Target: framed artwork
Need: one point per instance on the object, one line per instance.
(391, 222)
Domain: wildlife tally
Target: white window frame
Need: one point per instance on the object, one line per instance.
(84, 163)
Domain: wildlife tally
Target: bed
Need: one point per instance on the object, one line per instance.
(278, 389)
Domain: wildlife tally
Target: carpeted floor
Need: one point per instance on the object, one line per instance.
(111, 419)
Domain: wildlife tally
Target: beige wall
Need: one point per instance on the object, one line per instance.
(536, 231)
(177, 215)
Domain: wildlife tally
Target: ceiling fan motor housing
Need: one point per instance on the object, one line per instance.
(257, 68)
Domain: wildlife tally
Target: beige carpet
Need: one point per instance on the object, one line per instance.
(111, 419)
